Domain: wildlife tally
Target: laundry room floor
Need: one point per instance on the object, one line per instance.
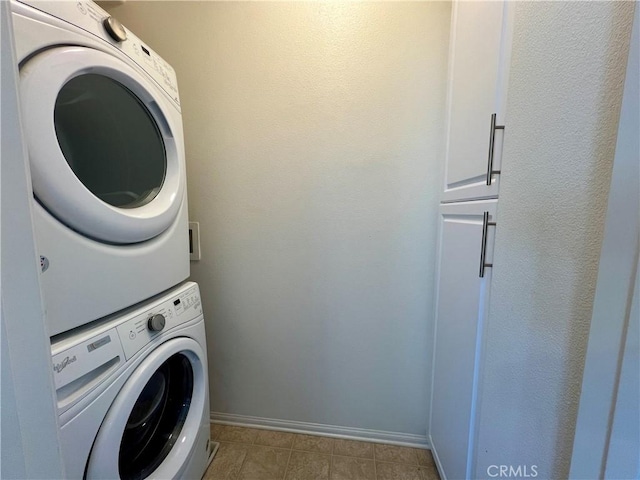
(256, 454)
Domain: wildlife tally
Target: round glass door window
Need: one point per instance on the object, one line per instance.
(110, 140)
(157, 417)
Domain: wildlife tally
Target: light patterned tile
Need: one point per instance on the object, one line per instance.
(424, 457)
(272, 438)
(264, 463)
(227, 462)
(392, 453)
(215, 429)
(313, 443)
(308, 466)
(429, 473)
(353, 448)
(230, 433)
(397, 471)
(350, 468)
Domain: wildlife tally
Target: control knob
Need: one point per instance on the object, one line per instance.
(156, 322)
(115, 29)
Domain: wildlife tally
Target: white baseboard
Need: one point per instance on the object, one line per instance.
(392, 438)
(436, 459)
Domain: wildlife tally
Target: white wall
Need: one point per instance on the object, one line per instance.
(623, 454)
(609, 384)
(314, 146)
(566, 80)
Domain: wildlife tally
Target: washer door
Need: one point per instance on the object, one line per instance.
(105, 146)
(151, 428)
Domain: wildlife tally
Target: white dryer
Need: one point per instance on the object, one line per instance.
(132, 392)
(102, 120)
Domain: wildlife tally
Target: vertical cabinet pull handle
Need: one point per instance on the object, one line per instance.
(492, 139)
(483, 247)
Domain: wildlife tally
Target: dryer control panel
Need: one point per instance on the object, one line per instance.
(91, 18)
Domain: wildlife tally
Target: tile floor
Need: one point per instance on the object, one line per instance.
(253, 454)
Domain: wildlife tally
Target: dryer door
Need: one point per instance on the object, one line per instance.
(151, 428)
(105, 145)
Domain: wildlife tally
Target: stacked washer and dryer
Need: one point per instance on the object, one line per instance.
(102, 121)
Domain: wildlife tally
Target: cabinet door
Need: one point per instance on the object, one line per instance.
(478, 69)
(462, 298)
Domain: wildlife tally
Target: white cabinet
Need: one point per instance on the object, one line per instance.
(478, 68)
(462, 300)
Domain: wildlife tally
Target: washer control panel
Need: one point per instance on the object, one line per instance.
(91, 18)
(83, 360)
(144, 327)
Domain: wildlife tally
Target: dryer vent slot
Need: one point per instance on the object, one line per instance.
(71, 392)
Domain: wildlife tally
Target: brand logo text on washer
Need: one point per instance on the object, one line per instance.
(58, 367)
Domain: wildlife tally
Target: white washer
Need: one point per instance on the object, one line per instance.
(102, 121)
(132, 392)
